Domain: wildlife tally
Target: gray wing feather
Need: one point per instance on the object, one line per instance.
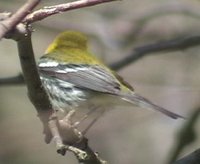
(91, 77)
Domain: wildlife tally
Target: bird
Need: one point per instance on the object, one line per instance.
(74, 78)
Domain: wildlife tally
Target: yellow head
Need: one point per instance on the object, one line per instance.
(68, 40)
(71, 47)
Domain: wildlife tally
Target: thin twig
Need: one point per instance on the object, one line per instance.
(170, 45)
(51, 10)
(186, 136)
(15, 19)
(18, 79)
(193, 158)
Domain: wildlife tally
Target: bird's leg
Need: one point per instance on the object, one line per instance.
(69, 115)
(93, 121)
(64, 134)
(84, 117)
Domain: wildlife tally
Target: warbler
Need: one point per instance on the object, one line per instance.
(75, 79)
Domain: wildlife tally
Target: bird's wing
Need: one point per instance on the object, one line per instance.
(83, 76)
(99, 79)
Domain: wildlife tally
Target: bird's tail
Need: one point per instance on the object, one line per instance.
(145, 103)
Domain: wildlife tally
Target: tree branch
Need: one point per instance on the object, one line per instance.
(186, 136)
(18, 79)
(166, 46)
(193, 158)
(52, 10)
(10, 23)
(36, 92)
(23, 15)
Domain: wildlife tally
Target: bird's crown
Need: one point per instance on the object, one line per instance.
(69, 39)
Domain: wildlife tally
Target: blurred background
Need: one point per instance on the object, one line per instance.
(121, 136)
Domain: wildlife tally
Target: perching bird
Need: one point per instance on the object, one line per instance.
(75, 79)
